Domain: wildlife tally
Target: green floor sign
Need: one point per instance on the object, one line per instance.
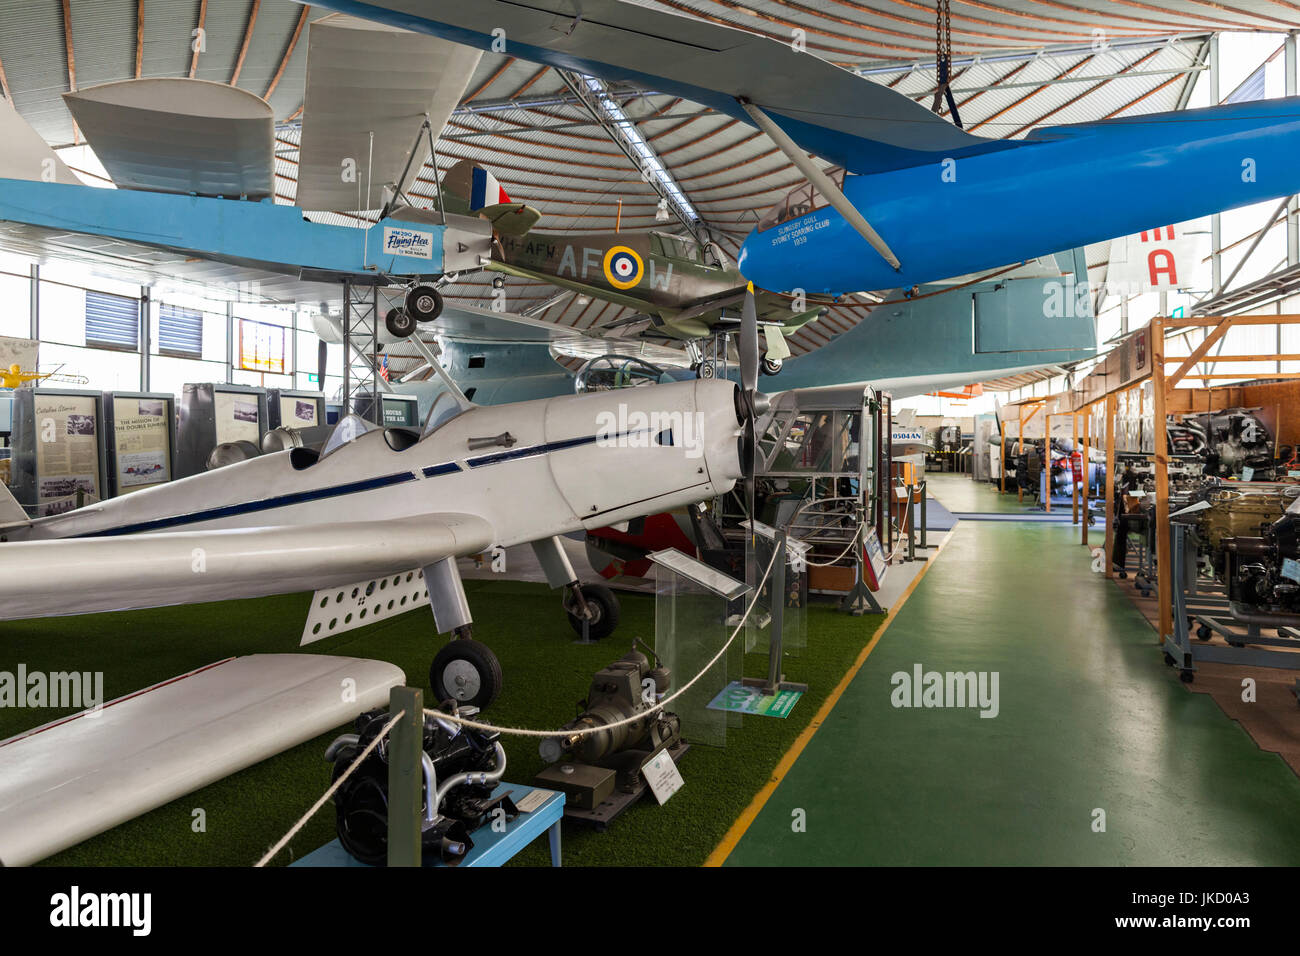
(750, 700)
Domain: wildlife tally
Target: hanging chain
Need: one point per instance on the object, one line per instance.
(943, 60)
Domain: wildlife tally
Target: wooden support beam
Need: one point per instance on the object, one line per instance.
(1281, 357)
(1164, 579)
(1074, 476)
(1211, 338)
(72, 62)
(1239, 376)
(139, 38)
(284, 61)
(1002, 462)
(1047, 463)
(248, 38)
(198, 40)
(1020, 484)
(1206, 321)
(1086, 468)
(1108, 487)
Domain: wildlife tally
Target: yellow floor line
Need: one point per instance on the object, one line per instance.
(724, 848)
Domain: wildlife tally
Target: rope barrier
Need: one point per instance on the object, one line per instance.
(511, 731)
(527, 732)
(842, 555)
(330, 792)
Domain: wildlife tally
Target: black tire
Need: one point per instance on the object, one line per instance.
(1169, 659)
(707, 370)
(399, 323)
(424, 303)
(1123, 575)
(1187, 676)
(771, 366)
(604, 608)
(1204, 632)
(465, 671)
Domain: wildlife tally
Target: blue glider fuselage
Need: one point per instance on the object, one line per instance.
(1063, 188)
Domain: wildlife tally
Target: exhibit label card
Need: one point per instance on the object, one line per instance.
(662, 775)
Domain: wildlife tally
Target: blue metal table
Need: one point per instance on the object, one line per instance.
(491, 848)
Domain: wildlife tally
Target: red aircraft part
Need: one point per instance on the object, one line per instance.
(615, 553)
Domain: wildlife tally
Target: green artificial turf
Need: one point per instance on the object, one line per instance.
(545, 674)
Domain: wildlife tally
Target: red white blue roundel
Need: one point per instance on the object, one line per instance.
(623, 267)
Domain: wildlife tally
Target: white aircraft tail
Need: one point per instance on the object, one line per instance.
(26, 154)
(11, 512)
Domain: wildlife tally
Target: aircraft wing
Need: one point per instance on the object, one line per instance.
(95, 574)
(483, 326)
(583, 288)
(838, 115)
(368, 89)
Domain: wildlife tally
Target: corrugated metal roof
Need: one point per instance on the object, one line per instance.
(1019, 63)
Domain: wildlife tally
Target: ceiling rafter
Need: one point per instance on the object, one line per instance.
(139, 38)
(199, 38)
(248, 39)
(288, 53)
(72, 62)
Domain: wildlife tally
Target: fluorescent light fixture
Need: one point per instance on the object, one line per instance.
(649, 161)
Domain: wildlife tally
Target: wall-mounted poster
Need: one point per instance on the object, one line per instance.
(67, 451)
(143, 442)
(20, 352)
(237, 418)
(299, 412)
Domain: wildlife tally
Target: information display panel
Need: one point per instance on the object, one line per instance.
(141, 431)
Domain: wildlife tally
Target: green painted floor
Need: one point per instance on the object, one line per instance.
(958, 493)
(1090, 718)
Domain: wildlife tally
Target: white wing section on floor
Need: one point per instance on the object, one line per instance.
(77, 777)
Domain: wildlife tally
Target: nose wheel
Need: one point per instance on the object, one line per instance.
(602, 609)
(467, 672)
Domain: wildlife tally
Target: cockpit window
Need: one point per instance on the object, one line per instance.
(799, 201)
(445, 408)
(676, 247)
(606, 372)
(349, 429)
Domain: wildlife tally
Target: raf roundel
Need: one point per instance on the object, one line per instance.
(623, 267)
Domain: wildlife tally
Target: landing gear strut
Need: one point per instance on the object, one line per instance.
(592, 608)
(466, 670)
(595, 604)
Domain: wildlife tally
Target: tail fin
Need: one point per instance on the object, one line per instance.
(475, 185)
(11, 512)
(26, 155)
(477, 191)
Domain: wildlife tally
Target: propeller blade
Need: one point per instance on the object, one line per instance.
(750, 465)
(749, 344)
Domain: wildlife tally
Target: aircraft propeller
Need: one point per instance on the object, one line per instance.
(753, 402)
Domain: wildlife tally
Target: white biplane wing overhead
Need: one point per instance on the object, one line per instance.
(118, 573)
(369, 88)
(176, 135)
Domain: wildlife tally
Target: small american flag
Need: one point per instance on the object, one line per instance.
(383, 367)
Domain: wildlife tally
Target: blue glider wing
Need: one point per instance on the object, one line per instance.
(835, 114)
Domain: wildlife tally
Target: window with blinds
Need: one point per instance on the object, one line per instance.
(180, 332)
(112, 321)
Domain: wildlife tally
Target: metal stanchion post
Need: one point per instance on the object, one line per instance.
(405, 776)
